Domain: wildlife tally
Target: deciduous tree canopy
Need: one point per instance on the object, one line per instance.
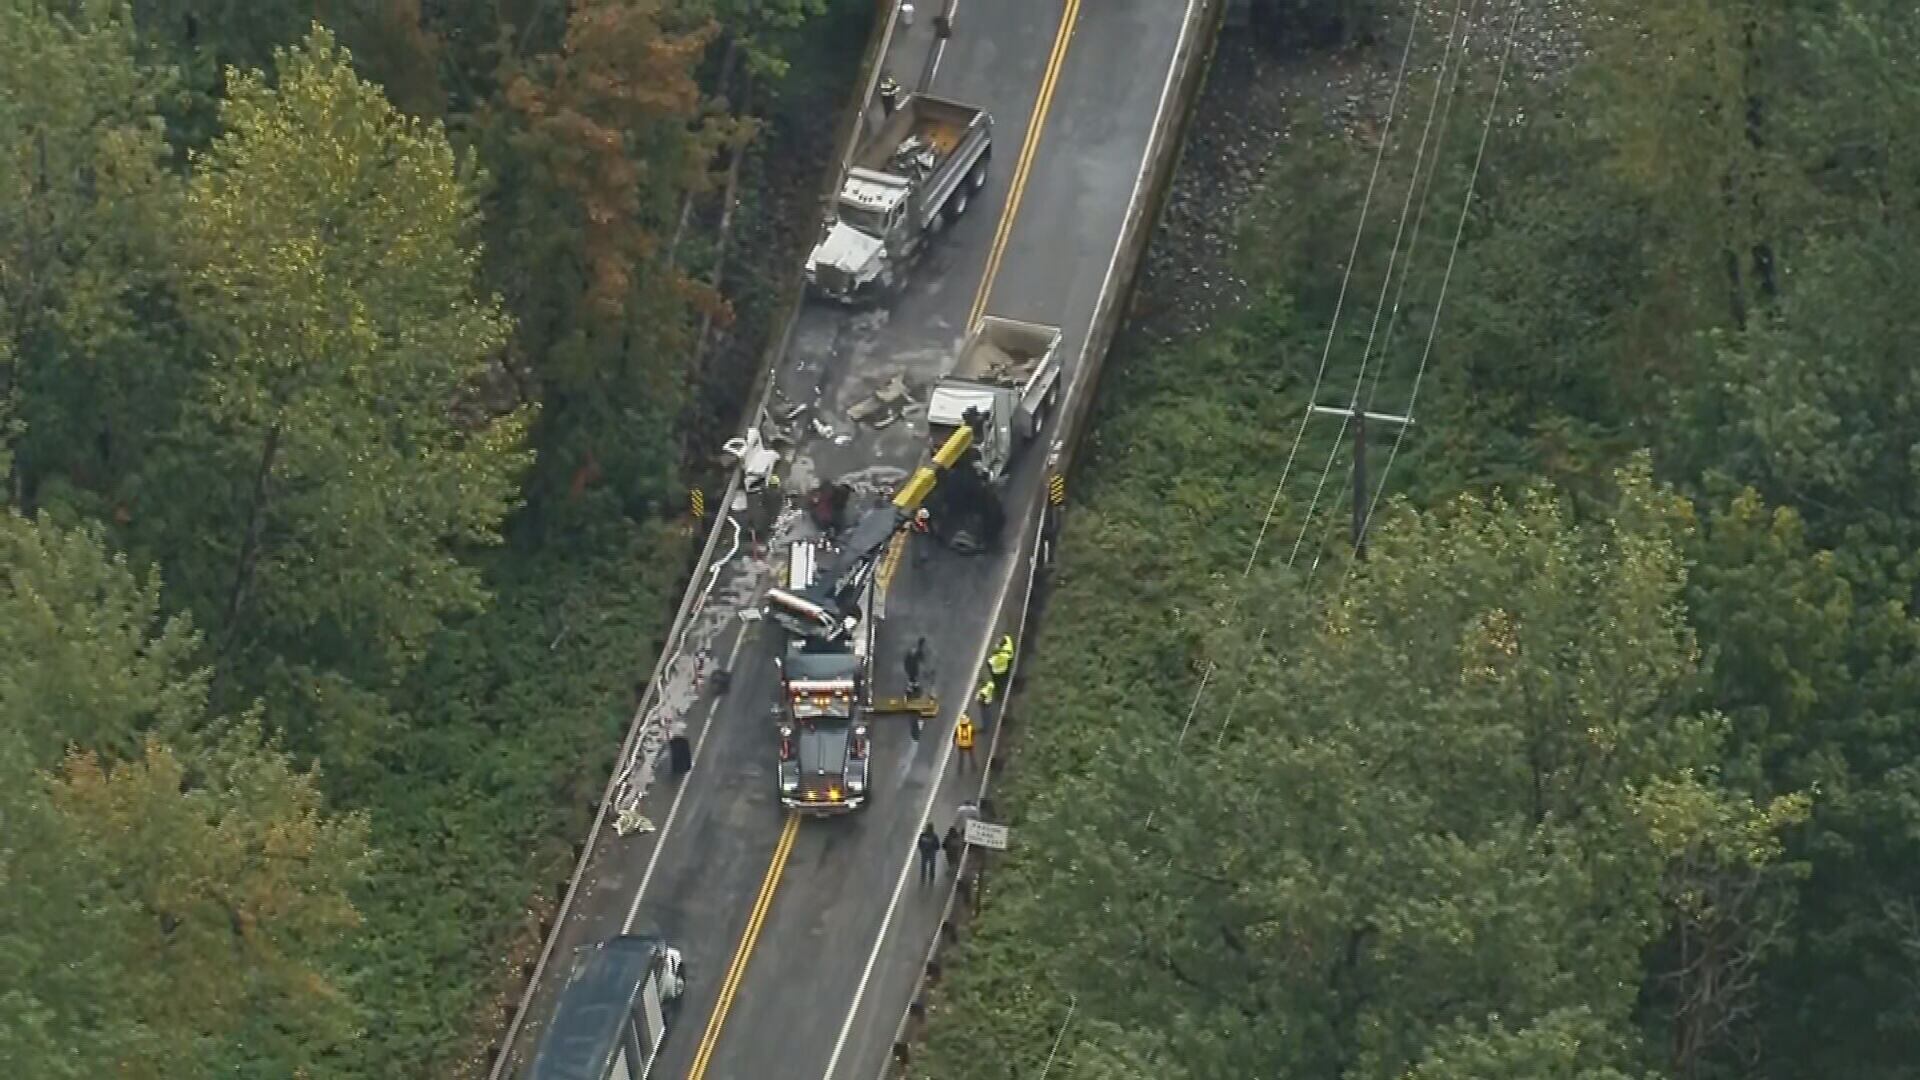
(293, 295)
(1610, 782)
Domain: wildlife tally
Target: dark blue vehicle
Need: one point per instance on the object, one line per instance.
(613, 1013)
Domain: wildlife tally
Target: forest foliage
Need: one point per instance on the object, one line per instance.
(1602, 764)
(350, 382)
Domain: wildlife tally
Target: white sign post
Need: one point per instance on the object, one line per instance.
(983, 834)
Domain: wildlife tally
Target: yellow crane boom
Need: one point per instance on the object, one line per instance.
(920, 485)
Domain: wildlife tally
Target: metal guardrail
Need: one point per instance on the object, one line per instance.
(1101, 331)
(503, 1050)
(1034, 545)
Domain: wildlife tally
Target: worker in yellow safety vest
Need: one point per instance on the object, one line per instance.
(1001, 661)
(963, 740)
(986, 694)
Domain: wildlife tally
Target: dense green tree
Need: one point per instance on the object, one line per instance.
(1566, 1044)
(171, 899)
(333, 463)
(1471, 783)
(91, 658)
(1096, 1050)
(235, 881)
(81, 251)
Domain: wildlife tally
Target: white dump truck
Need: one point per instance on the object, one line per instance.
(1005, 382)
(911, 178)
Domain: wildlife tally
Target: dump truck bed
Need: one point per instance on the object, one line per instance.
(1005, 351)
(939, 123)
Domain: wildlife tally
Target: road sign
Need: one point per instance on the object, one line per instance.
(983, 834)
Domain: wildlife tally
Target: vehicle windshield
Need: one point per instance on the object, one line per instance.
(822, 749)
(867, 220)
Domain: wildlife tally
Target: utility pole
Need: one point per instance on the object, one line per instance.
(1359, 419)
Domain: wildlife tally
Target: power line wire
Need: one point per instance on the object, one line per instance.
(1266, 521)
(1386, 282)
(1426, 195)
(1406, 272)
(1072, 1002)
(1466, 206)
(1413, 184)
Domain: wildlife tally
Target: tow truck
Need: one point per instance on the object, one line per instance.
(826, 608)
(824, 740)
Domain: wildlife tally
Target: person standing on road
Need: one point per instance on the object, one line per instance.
(922, 537)
(906, 12)
(963, 741)
(1001, 661)
(915, 664)
(953, 845)
(986, 696)
(929, 844)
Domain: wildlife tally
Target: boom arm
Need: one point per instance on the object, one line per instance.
(816, 611)
(915, 491)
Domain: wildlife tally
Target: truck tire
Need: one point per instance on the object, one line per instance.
(957, 205)
(977, 179)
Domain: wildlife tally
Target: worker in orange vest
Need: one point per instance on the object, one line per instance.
(963, 741)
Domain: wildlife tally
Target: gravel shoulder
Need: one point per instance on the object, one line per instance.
(1257, 103)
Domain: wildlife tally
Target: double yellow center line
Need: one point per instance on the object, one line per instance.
(784, 847)
(1055, 60)
(755, 922)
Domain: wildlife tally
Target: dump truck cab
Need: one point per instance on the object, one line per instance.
(914, 174)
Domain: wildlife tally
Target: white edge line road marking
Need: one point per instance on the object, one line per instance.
(514, 1025)
(660, 839)
(1106, 285)
(673, 811)
(926, 812)
(940, 45)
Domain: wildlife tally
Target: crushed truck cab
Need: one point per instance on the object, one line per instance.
(1007, 377)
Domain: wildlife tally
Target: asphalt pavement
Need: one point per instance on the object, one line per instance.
(803, 938)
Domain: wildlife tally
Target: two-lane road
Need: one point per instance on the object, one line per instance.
(803, 938)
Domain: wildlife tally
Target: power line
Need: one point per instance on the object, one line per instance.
(1466, 205)
(1386, 282)
(1360, 379)
(1365, 522)
(1353, 255)
(1420, 218)
(1072, 1001)
(1266, 521)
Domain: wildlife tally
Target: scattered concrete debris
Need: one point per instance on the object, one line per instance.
(631, 820)
(882, 406)
(755, 458)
